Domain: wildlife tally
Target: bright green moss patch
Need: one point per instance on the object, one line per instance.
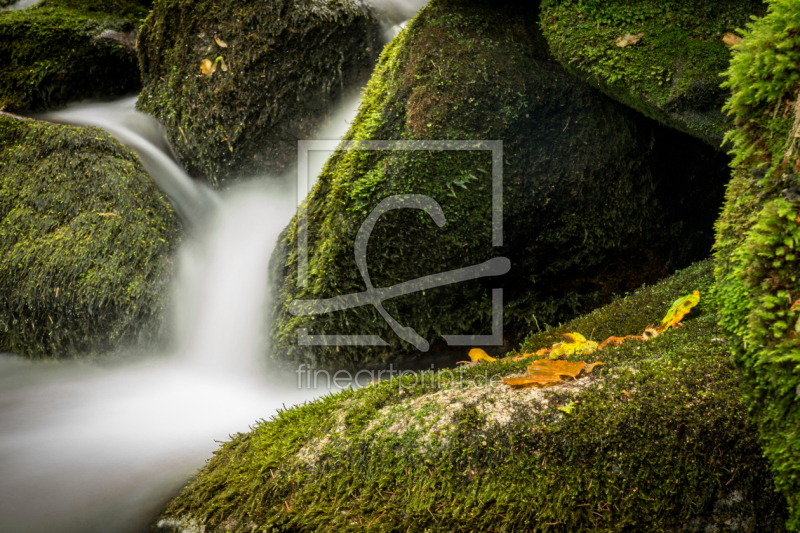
(86, 242)
(672, 74)
(758, 237)
(289, 62)
(441, 452)
(64, 50)
(597, 199)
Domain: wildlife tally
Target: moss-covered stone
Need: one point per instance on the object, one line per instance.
(85, 242)
(758, 236)
(597, 198)
(658, 440)
(65, 50)
(672, 74)
(288, 62)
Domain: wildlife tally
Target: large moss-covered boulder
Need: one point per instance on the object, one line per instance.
(658, 439)
(758, 236)
(672, 73)
(65, 50)
(85, 243)
(597, 199)
(278, 67)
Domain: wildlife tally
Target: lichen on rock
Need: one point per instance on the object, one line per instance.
(59, 51)
(672, 73)
(658, 440)
(597, 199)
(283, 65)
(757, 283)
(86, 240)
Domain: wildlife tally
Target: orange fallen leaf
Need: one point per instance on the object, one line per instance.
(731, 39)
(591, 366)
(794, 305)
(628, 39)
(546, 372)
(626, 393)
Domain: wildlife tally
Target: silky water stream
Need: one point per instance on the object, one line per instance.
(87, 448)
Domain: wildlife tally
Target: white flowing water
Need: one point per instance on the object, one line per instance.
(85, 448)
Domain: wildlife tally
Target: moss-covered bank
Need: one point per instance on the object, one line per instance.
(597, 198)
(60, 51)
(85, 242)
(672, 74)
(758, 236)
(658, 440)
(284, 64)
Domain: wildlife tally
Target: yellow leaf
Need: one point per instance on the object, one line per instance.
(207, 67)
(476, 354)
(731, 39)
(567, 408)
(628, 39)
(220, 42)
(679, 309)
(575, 343)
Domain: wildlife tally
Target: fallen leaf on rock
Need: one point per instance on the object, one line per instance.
(628, 39)
(679, 309)
(731, 39)
(207, 67)
(546, 372)
(220, 42)
(574, 343)
(567, 408)
(476, 354)
(591, 366)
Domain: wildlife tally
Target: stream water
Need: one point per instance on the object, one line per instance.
(90, 448)
(87, 448)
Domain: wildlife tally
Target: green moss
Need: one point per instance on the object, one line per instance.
(757, 236)
(86, 242)
(53, 52)
(442, 454)
(597, 199)
(289, 61)
(672, 74)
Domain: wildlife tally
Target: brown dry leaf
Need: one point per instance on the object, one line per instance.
(207, 67)
(794, 305)
(628, 39)
(731, 39)
(220, 42)
(545, 372)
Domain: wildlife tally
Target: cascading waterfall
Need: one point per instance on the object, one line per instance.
(86, 448)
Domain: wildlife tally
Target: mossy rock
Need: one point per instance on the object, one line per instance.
(86, 240)
(597, 198)
(288, 62)
(60, 51)
(658, 439)
(672, 74)
(758, 236)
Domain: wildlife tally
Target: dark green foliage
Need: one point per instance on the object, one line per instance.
(757, 236)
(597, 198)
(86, 239)
(289, 62)
(678, 454)
(53, 52)
(672, 74)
